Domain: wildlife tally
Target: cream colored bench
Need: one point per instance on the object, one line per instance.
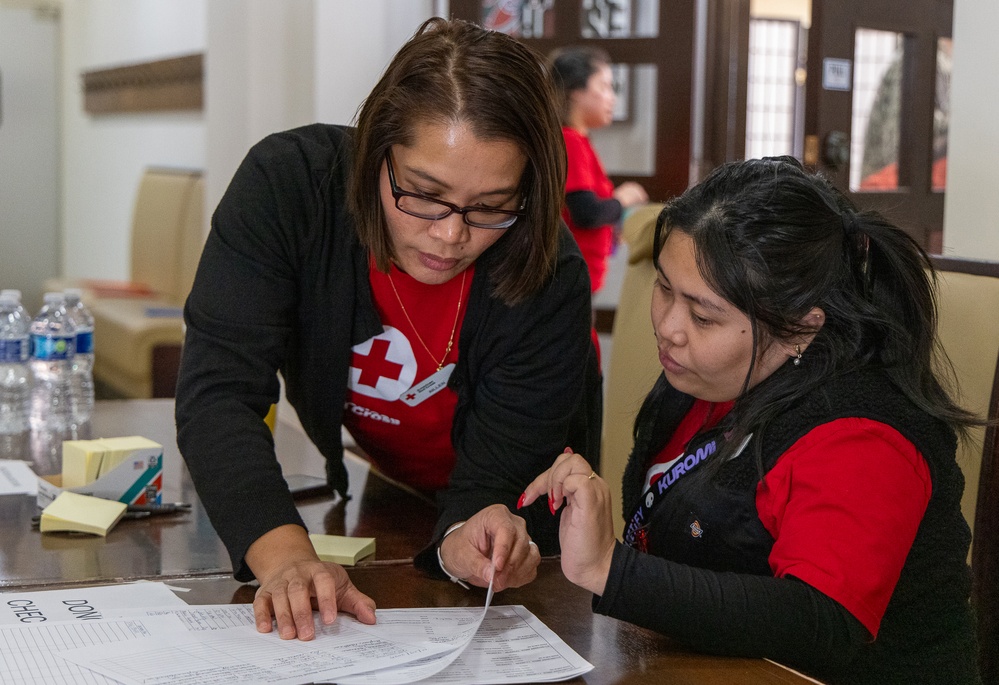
(138, 325)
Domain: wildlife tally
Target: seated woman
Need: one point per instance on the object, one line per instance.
(411, 280)
(793, 492)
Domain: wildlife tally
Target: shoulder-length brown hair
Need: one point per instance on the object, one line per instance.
(455, 71)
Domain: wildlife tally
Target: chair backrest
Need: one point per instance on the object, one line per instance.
(167, 231)
(968, 301)
(634, 362)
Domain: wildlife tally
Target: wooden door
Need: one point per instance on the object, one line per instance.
(877, 103)
(650, 43)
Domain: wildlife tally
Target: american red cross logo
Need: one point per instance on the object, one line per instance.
(377, 364)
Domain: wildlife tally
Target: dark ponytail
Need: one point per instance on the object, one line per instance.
(776, 242)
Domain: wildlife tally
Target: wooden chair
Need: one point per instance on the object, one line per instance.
(968, 301)
(634, 362)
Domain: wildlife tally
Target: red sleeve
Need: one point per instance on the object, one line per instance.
(583, 169)
(843, 505)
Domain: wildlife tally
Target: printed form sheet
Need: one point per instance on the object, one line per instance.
(460, 645)
(242, 655)
(169, 641)
(34, 626)
(17, 478)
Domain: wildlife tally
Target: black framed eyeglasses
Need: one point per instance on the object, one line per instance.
(424, 207)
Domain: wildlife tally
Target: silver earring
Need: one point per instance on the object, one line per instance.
(797, 359)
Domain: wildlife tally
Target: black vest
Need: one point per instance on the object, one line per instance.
(709, 520)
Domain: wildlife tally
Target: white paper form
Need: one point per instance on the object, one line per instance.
(456, 627)
(199, 617)
(511, 646)
(244, 656)
(17, 478)
(82, 604)
(28, 653)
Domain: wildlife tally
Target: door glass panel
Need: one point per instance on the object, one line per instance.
(877, 96)
(773, 88)
(619, 18)
(941, 115)
(520, 18)
(627, 146)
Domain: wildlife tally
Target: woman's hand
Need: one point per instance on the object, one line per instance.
(492, 542)
(630, 194)
(586, 531)
(293, 579)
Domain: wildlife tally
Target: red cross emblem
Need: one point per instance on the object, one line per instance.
(375, 364)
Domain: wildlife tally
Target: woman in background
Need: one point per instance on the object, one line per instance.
(793, 491)
(593, 206)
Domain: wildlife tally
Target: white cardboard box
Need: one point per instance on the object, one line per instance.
(138, 479)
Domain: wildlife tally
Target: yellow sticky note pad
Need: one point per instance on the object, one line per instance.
(117, 450)
(341, 549)
(81, 462)
(81, 514)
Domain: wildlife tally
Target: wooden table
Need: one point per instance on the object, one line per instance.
(185, 551)
(185, 545)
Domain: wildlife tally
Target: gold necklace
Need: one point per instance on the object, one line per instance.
(454, 327)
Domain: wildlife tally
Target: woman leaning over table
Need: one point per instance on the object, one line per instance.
(793, 492)
(411, 281)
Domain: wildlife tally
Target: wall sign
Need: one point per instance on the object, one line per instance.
(837, 74)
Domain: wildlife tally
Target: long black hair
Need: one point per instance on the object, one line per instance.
(776, 242)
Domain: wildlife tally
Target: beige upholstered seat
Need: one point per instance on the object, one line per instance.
(138, 328)
(968, 301)
(969, 333)
(634, 362)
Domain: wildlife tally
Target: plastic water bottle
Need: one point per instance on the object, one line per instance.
(82, 400)
(15, 374)
(53, 341)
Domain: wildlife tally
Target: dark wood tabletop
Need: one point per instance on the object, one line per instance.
(185, 544)
(184, 550)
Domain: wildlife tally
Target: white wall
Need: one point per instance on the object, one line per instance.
(971, 209)
(277, 64)
(104, 155)
(29, 152)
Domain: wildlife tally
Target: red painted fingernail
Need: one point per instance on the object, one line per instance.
(551, 504)
(520, 502)
(567, 450)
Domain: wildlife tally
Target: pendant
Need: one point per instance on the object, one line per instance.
(428, 387)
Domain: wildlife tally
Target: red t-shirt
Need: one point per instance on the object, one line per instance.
(702, 416)
(843, 505)
(585, 172)
(394, 410)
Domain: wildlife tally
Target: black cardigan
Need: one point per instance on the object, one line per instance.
(283, 285)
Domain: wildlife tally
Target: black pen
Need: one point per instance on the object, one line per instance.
(165, 508)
